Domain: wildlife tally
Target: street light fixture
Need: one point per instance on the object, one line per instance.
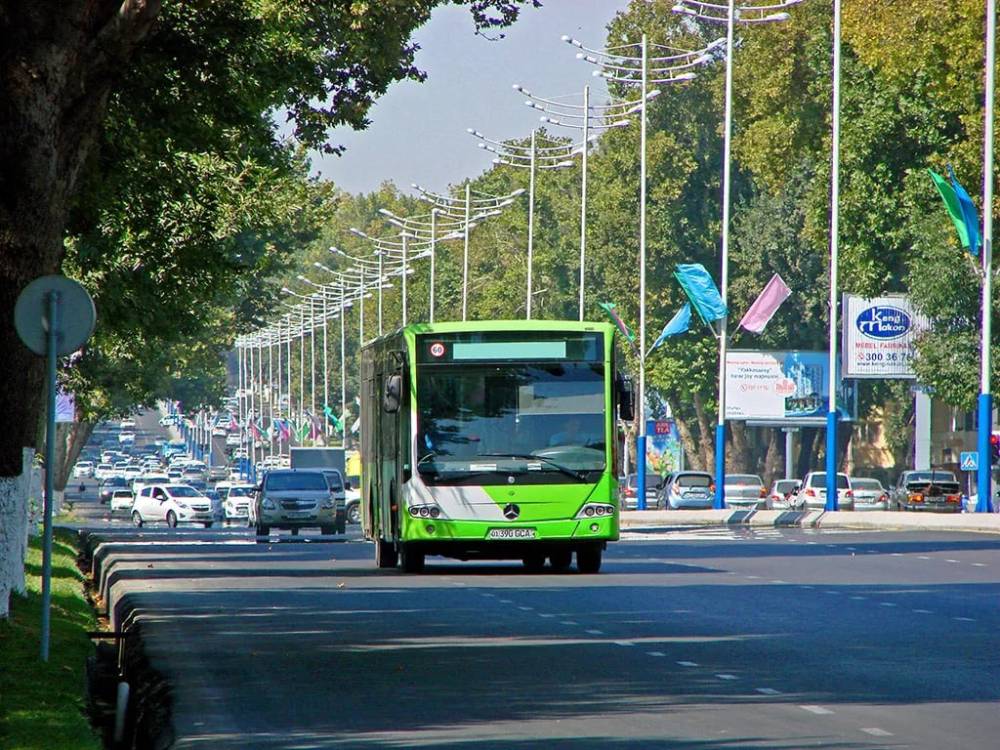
(631, 65)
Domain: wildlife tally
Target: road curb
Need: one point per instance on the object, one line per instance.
(981, 523)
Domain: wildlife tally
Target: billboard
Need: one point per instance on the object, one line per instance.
(879, 336)
(663, 446)
(779, 386)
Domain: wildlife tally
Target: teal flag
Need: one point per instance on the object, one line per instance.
(953, 206)
(678, 324)
(701, 291)
(970, 216)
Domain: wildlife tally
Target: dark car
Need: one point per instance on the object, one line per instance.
(109, 485)
(931, 490)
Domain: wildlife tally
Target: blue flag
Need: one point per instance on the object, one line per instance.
(678, 324)
(970, 216)
(700, 289)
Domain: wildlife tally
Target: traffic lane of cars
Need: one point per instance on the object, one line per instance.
(685, 666)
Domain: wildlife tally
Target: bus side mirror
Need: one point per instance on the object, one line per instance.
(392, 394)
(626, 400)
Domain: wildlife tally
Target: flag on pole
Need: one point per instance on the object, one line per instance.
(338, 424)
(678, 324)
(954, 207)
(767, 303)
(969, 214)
(233, 423)
(303, 430)
(611, 311)
(254, 430)
(700, 289)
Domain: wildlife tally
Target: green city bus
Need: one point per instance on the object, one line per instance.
(492, 440)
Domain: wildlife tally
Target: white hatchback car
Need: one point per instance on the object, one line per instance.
(173, 504)
(236, 499)
(83, 469)
(121, 500)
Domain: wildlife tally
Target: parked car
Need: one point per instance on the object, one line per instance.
(121, 500)
(745, 491)
(869, 494)
(172, 504)
(932, 490)
(686, 490)
(784, 495)
(814, 491)
(109, 485)
(293, 499)
(628, 487)
(83, 469)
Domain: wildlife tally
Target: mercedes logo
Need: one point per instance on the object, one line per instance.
(511, 511)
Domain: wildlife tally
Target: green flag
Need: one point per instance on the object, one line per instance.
(954, 206)
(611, 311)
(302, 431)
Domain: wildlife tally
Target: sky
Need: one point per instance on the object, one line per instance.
(418, 131)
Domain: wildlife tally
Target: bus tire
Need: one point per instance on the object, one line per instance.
(561, 560)
(411, 559)
(588, 559)
(385, 554)
(534, 562)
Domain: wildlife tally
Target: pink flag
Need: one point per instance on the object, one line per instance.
(764, 307)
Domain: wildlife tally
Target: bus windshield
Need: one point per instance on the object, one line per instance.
(535, 418)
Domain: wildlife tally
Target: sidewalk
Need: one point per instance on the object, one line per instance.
(985, 523)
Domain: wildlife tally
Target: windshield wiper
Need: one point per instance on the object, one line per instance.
(578, 475)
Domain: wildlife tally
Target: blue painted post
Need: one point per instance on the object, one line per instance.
(984, 502)
(831, 461)
(720, 466)
(640, 471)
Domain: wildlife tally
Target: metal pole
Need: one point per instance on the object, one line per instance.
(380, 293)
(583, 193)
(831, 416)
(640, 453)
(312, 355)
(52, 338)
(343, 358)
(361, 311)
(302, 369)
(984, 503)
(789, 448)
(270, 389)
(433, 257)
(531, 222)
(288, 352)
(250, 448)
(326, 371)
(404, 235)
(720, 428)
(465, 254)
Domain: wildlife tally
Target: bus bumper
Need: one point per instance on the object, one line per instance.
(571, 531)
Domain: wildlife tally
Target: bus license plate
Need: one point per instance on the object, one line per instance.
(511, 534)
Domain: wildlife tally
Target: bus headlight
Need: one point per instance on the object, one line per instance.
(590, 510)
(425, 511)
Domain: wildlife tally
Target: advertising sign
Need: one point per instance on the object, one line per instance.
(65, 407)
(782, 386)
(879, 337)
(663, 446)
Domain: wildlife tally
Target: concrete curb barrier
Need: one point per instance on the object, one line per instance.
(983, 523)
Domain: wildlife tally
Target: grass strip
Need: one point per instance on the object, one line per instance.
(42, 704)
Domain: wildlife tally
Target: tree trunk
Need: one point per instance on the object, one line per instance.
(692, 451)
(14, 531)
(739, 458)
(707, 434)
(73, 437)
(807, 458)
(773, 458)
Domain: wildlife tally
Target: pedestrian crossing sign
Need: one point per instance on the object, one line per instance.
(969, 461)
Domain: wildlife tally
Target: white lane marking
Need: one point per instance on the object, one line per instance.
(526, 609)
(979, 565)
(896, 554)
(923, 612)
(807, 587)
(655, 653)
(487, 594)
(951, 561)
(768, 691)
(834, 593)
(727, 677)
(858, 598)
(819, 710)
(876, 732)
(887, 604)
(540, 614)
(624, 643)
(568, 622)
(779, 581)
(851, 549)
(923, 557)
(963, 619)
(595, 632)
(505, 601)
(687, 664)
(752, 578)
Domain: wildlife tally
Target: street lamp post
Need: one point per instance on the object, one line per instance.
(668, 65)
(729, 14)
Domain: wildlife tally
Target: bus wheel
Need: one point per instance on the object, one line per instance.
(385, 554)
(534, 562)
(411, 559)
(561, 560)
(588, 559)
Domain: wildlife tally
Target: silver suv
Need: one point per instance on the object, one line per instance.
(294, 499)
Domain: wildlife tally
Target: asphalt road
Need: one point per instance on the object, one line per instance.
(687, 639)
